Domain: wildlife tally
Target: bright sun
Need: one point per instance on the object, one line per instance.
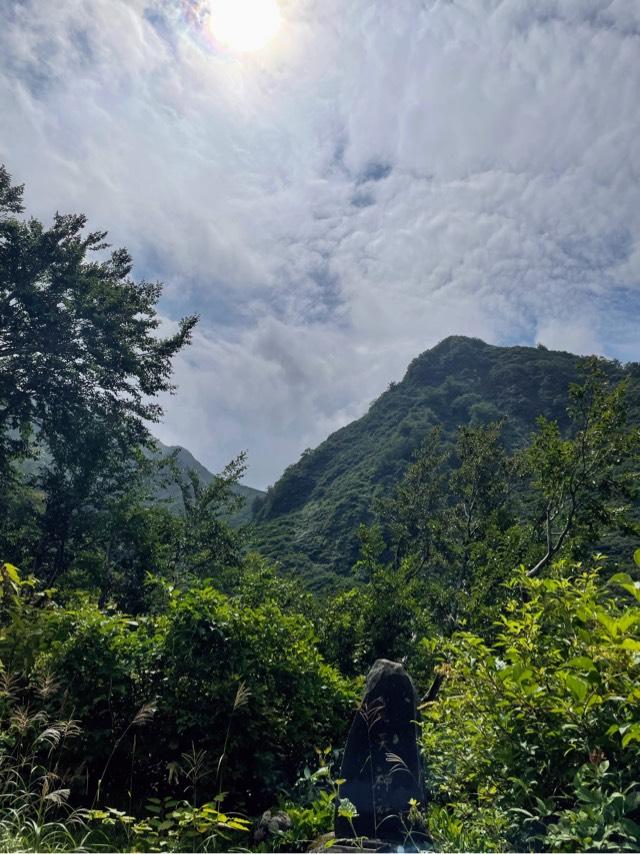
(244, 24)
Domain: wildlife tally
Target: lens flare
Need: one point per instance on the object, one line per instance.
(243, 25)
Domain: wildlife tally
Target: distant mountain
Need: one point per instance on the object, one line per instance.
(185, 461)
(309, 518)
(171, 492)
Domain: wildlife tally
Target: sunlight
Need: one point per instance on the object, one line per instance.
(244, 25)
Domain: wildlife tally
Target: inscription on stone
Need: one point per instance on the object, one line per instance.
(381, 765)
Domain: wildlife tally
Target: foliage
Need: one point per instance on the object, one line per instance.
(468, 827)
(310, 517)
(97, 352)
(296, 700)
(520, 717)
(379, 619)
(313, 805)
(463, 516)
(313, 810)
(80, 366)
(584, 483)
(35, 813)
(171, 825)
(206, 544)
(599, 820)
(146, 691)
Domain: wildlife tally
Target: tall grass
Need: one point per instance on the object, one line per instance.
(35, 785)
(34, 811)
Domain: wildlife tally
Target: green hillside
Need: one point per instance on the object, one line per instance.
(308, 519)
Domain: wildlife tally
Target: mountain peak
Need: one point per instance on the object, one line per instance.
(309, 518)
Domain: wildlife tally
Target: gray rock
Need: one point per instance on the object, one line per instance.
(271, 824)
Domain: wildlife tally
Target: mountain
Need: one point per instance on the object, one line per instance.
(170, 492)
(185, 461)
(309, 518)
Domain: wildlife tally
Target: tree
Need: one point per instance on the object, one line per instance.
(447, 515)
(463, 518)
(77, 336)
(80, 365)
(207, 546)
(413, 514)
(585, 482)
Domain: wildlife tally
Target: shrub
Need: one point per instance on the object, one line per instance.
(526, 719)
(295, 700)
(243, 687)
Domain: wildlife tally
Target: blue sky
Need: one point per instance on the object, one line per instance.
(383, 174)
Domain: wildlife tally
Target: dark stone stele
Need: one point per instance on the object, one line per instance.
(381, 765)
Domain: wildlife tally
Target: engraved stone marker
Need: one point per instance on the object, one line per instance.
(381, 765)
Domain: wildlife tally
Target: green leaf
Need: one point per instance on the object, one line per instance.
(346, 809)
(576, 685)
(238, 824)
(624, 580)
(582, 663)
(608, 622)
(632, 734)
(636, 557)
(628, 619)
(12, 572)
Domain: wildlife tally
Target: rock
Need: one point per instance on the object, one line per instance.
(328, 843)
(271, 825)
(381, 765)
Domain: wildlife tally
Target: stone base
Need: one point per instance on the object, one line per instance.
(329, 843)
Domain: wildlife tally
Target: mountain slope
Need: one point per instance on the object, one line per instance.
(309, 518)
(185, 461)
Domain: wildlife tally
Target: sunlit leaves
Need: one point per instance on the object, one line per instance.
(554, 692)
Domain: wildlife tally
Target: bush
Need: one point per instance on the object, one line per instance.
(544, 718)
(295, 700)
(240, 690)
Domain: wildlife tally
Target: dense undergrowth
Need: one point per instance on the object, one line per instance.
(117, 738)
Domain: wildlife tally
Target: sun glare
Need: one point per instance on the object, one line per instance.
(244, 25)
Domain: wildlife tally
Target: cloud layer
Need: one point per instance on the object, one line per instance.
(383, 175)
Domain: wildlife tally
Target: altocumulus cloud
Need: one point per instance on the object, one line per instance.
(382, 175)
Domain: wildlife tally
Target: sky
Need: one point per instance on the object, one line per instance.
(377, 176)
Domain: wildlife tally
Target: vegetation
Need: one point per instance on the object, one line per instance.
(535, 737)
(164, 688)
(309, 519)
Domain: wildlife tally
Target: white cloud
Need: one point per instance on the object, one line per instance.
(382, 176)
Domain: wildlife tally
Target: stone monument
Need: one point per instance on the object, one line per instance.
(381, 765)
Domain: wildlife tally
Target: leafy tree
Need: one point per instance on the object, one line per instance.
(413, 515)
(206, 545)
(80, 365)
(584, 483)
(379, 619)
(447, 515)
(463, 517)
(77, 335)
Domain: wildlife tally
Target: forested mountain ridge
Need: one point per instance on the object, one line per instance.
(308, 520)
